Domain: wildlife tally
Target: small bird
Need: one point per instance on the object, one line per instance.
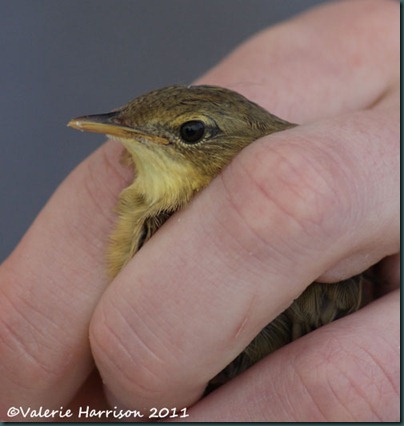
(177, 139)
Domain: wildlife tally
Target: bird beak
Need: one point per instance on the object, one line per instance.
(109, 124)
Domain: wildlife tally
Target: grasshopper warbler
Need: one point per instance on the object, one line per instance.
(178, 139)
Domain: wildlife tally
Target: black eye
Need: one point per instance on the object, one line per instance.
(192, 131)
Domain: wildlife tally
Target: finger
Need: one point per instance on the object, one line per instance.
(346, 371)
(193, 298)
(322, 63)
(50, 285)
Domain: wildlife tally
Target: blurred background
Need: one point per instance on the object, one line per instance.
(66, 58)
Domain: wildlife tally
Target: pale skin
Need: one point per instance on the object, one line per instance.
(320, 201)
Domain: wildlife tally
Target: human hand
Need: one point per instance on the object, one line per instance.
(318, 201)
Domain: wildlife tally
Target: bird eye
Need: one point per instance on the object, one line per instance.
(192, 131)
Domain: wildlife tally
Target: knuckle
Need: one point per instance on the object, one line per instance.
(289, 188)
(129, 361)
(22, 339)
(345, 385)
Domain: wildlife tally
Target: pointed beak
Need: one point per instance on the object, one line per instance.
(109, 124)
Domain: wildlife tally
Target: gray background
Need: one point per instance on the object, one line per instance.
(63, 58)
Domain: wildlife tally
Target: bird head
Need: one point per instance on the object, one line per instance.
(180, 137)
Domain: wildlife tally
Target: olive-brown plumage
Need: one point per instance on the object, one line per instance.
(178, 139)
